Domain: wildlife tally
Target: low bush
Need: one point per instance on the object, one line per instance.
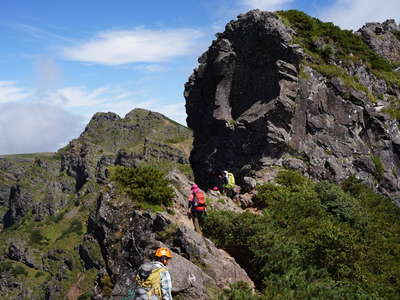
(379, 169)
(239, 291)
(143, 184)
(290, 178)
(314, 241)
(397, 34)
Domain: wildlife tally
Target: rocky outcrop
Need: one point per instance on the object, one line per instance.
(128, 237)
(250, 109)
(381, 38)
(111, 140)
(20, 253)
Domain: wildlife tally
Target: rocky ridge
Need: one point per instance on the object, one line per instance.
(69, 231)
(261, 99)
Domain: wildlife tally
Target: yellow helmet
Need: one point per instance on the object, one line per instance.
(163, 252)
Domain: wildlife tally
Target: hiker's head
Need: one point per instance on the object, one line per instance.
(194, 188)
(163, 255)
(225, 173)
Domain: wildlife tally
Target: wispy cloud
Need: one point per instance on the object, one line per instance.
(40, 33)
(271, 5)
(10, 92)
(139, 45)
(76, 96)
(353, 14)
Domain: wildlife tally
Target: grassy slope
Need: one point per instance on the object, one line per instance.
(327, 44)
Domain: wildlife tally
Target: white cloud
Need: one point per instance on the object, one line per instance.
(139, 45)
(76, 96)
(271, 5)
(353, 14)
(10, 92)
(48, 121)
(28, 127)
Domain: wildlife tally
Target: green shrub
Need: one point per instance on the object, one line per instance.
(39, 274)
(19, 270)
(106, 285)
(393, 109)
(86, 296)
(267, 194)
(345, 42)
(397, 34)
(339, 203)
(5, 266)
(239, 291)
(379, 169)
(143, 184)
(36, 236)
(290, 178)
(314, 241)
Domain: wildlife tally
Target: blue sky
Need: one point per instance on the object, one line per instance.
(62, 61)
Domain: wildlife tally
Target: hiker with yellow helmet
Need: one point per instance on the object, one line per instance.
(153, 279)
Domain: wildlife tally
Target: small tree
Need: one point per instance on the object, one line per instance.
(143, 184)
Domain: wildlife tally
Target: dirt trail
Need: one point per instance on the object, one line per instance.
(75, 291)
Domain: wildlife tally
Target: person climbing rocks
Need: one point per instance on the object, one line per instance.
(197, 207)
(153, 280)
(229, 183)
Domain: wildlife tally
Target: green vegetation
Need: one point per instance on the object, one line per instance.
(341, 43)
(392, 78)
(350, 82)
(397, 34)
(314, 241)
(393, 109)
(239, 291)
(143, 184)
(169, 232)
(75, 227)
(13, 268)
(165, 166)
(175, 140)
(379, 169)
(326, 41)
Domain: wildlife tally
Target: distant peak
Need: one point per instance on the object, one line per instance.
(105, 116)
(140, 113)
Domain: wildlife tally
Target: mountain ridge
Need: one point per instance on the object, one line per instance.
(277, 95)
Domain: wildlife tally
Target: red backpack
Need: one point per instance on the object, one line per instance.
(198, 202)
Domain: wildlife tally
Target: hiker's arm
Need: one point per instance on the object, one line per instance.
(166, 285)
(190, 200)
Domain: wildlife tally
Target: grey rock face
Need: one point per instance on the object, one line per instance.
(157, 150)
(19, 204)
(381, 39)
(250, 110)
(22, 254)
(240, 99)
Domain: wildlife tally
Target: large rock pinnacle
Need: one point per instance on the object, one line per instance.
(250, 109)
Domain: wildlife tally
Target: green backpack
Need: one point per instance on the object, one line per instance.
(148, 281)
